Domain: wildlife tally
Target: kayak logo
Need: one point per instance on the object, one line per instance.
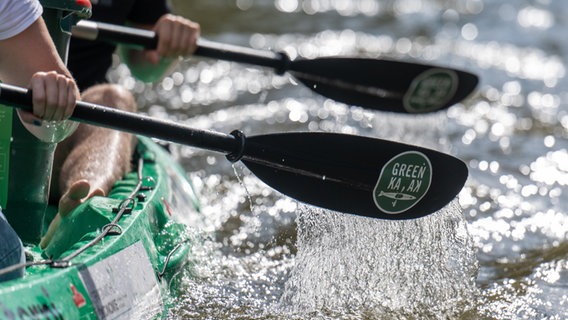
(403, 182)
(430, 90)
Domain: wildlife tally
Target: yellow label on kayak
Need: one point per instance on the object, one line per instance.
(5, 138)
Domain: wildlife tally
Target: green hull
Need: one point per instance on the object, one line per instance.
(112, 256)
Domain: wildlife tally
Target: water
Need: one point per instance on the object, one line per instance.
(499, 251)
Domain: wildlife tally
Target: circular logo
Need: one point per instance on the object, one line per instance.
(403, 182)
(430, 90)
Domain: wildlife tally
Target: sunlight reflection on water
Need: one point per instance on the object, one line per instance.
(511, 133)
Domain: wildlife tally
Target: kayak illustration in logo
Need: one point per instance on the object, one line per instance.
(431, 90)
(403, 182)
(397, 196)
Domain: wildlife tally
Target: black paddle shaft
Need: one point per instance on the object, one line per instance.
(377, 84)
(147, 39)
(346, 173)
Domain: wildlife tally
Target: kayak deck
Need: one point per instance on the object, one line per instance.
(109, 256)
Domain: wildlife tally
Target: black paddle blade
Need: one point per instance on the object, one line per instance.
(385, 85)
(357, 175)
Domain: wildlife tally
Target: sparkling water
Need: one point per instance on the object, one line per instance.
(498, 251)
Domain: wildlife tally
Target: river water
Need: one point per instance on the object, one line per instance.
(498, 251)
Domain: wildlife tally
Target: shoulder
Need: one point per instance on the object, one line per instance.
(17, 15)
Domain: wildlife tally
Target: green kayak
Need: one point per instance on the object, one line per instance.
(112, 256)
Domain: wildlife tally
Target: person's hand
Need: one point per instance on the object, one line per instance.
(53, 95)
(177, 37)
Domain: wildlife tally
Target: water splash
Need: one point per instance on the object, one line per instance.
(356, 265)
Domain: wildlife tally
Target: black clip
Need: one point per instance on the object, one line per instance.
(285, 63)
(237, 155)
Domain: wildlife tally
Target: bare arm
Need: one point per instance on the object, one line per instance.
(29, 59)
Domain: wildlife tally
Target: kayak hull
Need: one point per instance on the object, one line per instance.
(112, 257)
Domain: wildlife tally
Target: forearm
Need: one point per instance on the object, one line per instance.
(27, 53)
(21, 65)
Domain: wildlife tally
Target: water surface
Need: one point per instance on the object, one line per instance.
(498, 251)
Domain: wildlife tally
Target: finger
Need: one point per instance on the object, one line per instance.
(183, 39)
(67, 98)
(37, 85)
(174, 45)
(60, 107)
(52, 84)
(193, 37)
(186, 37)
(189, 42)
(164, 32)
(71, 101)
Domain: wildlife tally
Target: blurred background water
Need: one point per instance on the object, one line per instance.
(498, 251)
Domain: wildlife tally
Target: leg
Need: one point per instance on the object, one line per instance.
(11, 250)
(89, 162)
(98, 155)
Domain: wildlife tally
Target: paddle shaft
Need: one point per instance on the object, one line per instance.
(131, 122)
(350, 174)
(147, 39)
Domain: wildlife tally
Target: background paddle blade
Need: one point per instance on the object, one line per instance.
(385, 85)
(357, 175)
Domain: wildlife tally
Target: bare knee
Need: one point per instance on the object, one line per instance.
(110, 95)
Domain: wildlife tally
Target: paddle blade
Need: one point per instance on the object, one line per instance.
(357, 175)
(385, 85)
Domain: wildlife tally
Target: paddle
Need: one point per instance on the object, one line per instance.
(346, 173)
(383, 85)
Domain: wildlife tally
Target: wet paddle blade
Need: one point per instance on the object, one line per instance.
(384, 84)
(357, 175)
